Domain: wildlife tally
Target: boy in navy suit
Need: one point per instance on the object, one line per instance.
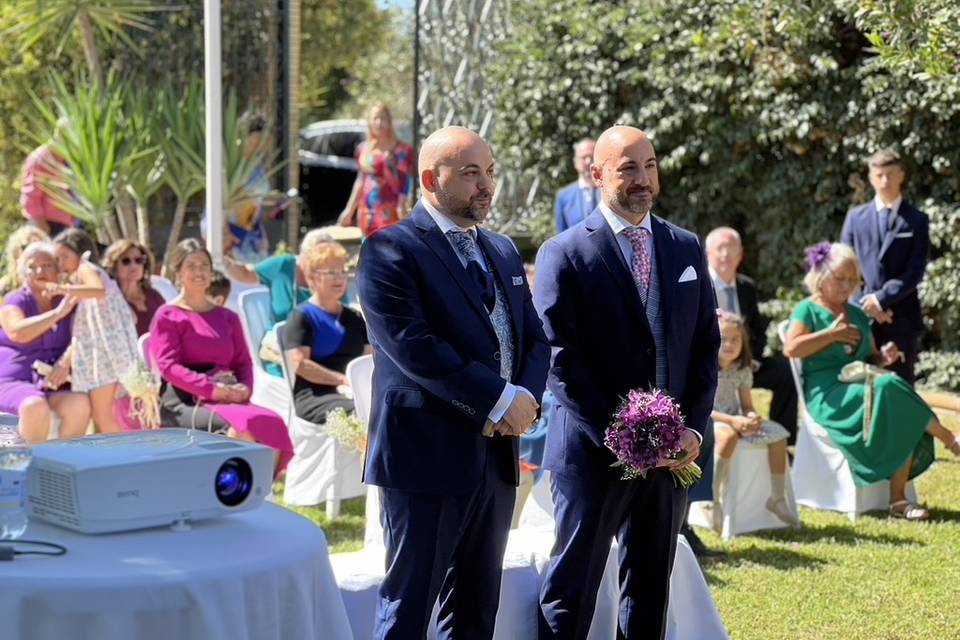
(892, 241)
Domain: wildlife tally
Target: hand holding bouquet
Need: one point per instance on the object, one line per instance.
(648, 431)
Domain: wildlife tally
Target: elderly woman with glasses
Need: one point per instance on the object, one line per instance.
(879, 423)
(35, 333)
(322, 335)
(130, 264)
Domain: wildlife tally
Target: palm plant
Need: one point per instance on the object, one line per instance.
(179, 132)
(109, 20)
(92, 141)
(141, 171)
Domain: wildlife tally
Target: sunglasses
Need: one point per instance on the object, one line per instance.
(141, 260)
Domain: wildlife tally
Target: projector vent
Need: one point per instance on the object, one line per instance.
(55, 493)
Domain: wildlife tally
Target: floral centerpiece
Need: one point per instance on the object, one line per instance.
(647, 430)
(346, 429)
(143, 387)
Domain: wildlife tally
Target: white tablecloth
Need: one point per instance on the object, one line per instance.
(259, 575)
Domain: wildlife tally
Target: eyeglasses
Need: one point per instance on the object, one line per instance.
(40, 268)
(333, 275)
(141, 260)
(198, 268)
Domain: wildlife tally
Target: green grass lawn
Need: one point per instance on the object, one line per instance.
(881, 579)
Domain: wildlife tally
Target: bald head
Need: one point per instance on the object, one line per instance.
(456, 174)
(625, 169)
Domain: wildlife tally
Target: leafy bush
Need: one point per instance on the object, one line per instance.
(761, 112)
(939, 370)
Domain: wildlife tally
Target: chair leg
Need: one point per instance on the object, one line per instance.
(333, 503)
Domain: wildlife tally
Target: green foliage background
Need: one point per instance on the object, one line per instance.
(761, 113)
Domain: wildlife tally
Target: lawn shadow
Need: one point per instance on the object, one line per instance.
(847, 535)
(943, 515)
(775, 557)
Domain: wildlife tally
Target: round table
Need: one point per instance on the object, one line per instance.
(259, 575)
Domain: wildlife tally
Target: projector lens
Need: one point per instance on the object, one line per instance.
(234, 482)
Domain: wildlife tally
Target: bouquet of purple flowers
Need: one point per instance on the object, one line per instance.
(647, 428)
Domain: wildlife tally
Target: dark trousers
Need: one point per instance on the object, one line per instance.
(446, 546)
(909, 343)
(774, 374)
(591, 509)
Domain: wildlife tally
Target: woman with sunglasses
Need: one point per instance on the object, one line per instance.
(130, 264)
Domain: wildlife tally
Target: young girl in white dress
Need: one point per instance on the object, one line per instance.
(104, 328)
(734, 419)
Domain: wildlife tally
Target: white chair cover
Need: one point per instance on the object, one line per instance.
(691, 614)
(746, 493)
(321, 469)
(256, 317)
(164, 287)
(821, 474)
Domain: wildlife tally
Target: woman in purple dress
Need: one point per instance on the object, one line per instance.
(203, 359)
(35, 332)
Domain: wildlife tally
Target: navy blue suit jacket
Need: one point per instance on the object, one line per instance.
(570, 208)
(436, 357)
(894, 268)
(602, 345)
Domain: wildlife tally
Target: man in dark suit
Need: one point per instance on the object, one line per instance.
(892, 240)
(737, 294)
(626, 303)
(576, 200)
(460, 365)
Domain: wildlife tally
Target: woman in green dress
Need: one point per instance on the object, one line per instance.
(894, 442)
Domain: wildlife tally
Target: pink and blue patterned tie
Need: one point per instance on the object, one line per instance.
(641, 265)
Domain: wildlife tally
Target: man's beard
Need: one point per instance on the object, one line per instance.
(638, 208)
(456, 208)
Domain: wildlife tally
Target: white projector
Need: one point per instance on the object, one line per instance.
(144, 479)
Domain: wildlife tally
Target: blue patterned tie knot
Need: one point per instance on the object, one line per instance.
(467, 246)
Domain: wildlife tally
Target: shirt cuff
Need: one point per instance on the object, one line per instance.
(506, 399)
(696, 433)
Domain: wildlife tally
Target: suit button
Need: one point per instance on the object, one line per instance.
(496, 356)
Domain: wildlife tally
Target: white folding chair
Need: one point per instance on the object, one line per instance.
(745, 495)
(821, 474)
(256, 317)
(322, 470)
(164, 287)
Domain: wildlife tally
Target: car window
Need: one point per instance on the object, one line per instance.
(336, 143)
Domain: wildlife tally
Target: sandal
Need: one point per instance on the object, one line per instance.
(954, 447)
(903, 509)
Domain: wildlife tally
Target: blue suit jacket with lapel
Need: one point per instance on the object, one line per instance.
(436, 357)
(602, 345)
(570, 207)
(892, 269)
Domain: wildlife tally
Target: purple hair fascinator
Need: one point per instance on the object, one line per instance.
(817, 255)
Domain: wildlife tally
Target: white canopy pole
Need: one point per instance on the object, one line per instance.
(214, 128)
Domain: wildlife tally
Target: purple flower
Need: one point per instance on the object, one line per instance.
(817, 255)
(647, 427)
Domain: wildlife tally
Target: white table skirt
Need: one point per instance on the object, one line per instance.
(259, 575)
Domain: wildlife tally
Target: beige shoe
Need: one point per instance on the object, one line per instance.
(780, 509)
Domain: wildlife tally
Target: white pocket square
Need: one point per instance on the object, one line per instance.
(908, 234)
(517, 281)
(688, 275)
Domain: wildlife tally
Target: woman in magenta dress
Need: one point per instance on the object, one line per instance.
(203, 359)
(385, 170)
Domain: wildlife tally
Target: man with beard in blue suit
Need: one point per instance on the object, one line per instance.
(892, 241)
(460, 363)
(627, 303)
